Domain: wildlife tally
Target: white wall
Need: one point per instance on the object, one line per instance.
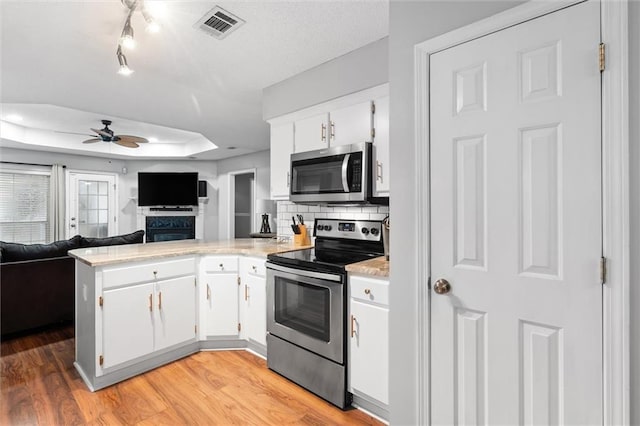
(634, 160)
(259, 161)
(411, 23)
(357, 70)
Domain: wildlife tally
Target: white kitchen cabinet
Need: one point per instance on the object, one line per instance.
(220, 286)
(369, 339)
(311, 133)
(254, 300)
(281, 150)
(127, 323)
(350, 124)
(380, 178)
(175, 311)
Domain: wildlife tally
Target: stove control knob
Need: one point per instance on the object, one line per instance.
(365, 231)
(320, 227)
(374, 231)
(327, 227)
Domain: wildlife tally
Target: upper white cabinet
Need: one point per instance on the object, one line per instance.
(380, 178)
(359, 117)
(281, 149)
(311, 133)
(351, 124)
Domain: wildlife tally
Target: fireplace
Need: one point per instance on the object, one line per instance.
(168, 228)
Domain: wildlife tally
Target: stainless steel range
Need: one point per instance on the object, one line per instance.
(307, 306)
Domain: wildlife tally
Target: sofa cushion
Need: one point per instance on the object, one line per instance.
(15, 252)
(133, 238)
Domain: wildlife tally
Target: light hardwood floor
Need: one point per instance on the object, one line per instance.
(40, 386)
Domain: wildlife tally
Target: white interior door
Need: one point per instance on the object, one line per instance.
(516, 225)
(91, 208)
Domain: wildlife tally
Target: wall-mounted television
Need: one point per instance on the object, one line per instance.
(167, 189)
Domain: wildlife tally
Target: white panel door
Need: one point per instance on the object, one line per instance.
(516, 225)
(311, 133)
(351, 124)
(281, 149)
(127, 324)
(175, 311)
(221, 304)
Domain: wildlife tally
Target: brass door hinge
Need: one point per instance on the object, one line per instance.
(239, 327)
(238, 280)
(101, 360)
(601, 56)
(603, 270)
(100, 301)
(373, 107)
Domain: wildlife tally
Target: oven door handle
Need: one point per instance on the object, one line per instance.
(345, 173)
(305, 273)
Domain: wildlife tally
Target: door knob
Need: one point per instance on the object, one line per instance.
(442, 286)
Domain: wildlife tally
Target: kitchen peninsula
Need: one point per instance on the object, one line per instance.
(144, 305)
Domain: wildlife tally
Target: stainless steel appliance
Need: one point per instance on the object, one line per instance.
(307, 306)
(341, 174)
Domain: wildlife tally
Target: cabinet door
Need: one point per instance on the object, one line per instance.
(350, 124)
(127, 323)
(381, 148)
(369, 345)
(174, 311)
(281, 149)
(221, 304)
(255, 308)
(311, 133)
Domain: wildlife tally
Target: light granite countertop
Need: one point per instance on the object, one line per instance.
(377, 267)
(100, 256)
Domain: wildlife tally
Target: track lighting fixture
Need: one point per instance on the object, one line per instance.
(126, 37)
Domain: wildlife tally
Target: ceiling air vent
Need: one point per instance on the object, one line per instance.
(219, 23)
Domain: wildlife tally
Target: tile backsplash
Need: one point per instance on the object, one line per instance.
(286, 209)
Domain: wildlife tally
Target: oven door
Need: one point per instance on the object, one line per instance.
(307, 309)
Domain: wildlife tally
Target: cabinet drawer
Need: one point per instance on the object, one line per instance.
(254, 266)
(220, 264)
(370, 290)
(133, 273)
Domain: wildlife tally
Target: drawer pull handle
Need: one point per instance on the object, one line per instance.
(222, 266)
(353, 328)
(208, 292)
(367, 291)
(151, 302)
(160, 300)
(255, 269)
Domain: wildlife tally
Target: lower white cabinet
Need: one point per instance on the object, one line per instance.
(369, 339)
(253, 293)
(219, 279)
(174, 312)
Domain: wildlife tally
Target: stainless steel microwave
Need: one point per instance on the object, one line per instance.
(336, 175)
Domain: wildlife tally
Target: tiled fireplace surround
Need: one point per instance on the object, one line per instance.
(287, 209)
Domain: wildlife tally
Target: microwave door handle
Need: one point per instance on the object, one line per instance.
(345, 173)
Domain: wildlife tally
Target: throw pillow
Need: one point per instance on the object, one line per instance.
(133, 238)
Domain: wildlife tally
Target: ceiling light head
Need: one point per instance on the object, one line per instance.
(126, 39)
(124, 66)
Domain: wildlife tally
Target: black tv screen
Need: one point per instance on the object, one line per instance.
(167, 189)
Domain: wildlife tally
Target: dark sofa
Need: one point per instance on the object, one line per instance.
(37, 281)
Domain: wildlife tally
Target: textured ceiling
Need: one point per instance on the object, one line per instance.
(62, 53)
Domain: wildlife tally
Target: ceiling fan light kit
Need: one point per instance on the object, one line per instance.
(126, 37)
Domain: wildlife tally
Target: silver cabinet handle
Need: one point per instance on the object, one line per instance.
(323, 132)
(333, 130)
(378, 171)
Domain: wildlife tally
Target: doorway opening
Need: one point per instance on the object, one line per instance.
(242, 192)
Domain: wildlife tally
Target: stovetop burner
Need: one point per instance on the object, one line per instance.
(338, 243)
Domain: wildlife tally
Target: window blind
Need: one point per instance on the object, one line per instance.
(24, 209)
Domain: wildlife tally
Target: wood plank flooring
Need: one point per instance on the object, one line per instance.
(39, 385)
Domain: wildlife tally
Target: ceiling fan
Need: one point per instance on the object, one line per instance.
(107, 135)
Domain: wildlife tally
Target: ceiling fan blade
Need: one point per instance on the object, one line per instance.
(129, 138)
(92, 140)
(127, 144)
(73, 133)
(102, 133)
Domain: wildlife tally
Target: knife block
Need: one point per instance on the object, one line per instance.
(302, 239)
